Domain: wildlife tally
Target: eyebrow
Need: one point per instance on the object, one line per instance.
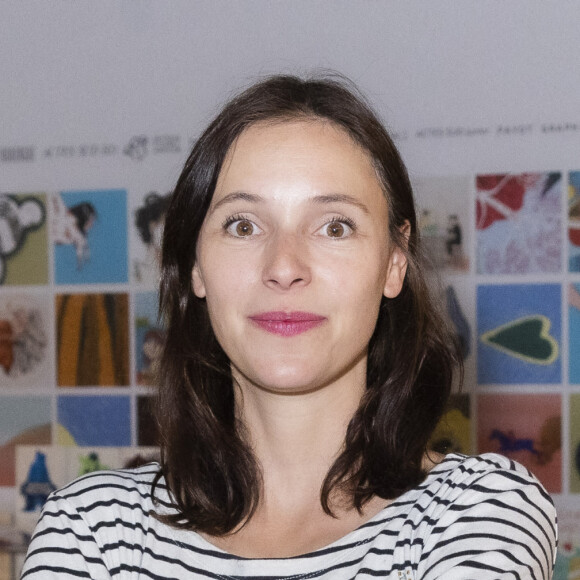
(236, 196)
(340, 198)
(317, 199)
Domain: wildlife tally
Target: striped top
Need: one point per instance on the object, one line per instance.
(480, 518)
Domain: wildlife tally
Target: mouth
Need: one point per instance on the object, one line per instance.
(287, 323)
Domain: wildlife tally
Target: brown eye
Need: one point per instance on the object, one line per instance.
(244, 228)
(335, 230)
(241, 228)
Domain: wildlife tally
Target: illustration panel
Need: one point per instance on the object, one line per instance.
(519, 333)
(459, 304)
(23, 420)
(23, 239)
(149, 338)
(568, 558)
(92, 339)
(574, 333)
(574, 435)
(40, 469)
(25, 360)
(518, 223)
(89, 232)
(146, 232)
(94, 420)
(445, 220)
(525, 428)
(574, 221)
(453, 432)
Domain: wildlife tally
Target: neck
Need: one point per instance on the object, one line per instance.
(296, 437)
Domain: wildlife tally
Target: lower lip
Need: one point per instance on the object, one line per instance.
(287, 327)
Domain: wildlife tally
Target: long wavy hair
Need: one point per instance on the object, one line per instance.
(211, 472)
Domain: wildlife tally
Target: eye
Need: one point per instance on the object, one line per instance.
(338, 228)
(240, 227)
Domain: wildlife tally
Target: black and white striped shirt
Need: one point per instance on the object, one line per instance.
(472, 518)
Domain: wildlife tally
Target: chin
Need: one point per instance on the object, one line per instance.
(284, 379)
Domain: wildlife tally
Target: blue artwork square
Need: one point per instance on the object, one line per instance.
(98, 420)
(90, 248)
(574, 333)
(519, 334)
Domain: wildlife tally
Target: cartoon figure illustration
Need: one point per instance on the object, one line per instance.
(152, 350)
(17, 218)
(38, 485)
(71, 226)
(542, 451)
(23, 340)
(454, 240)
(509, 443)
(90, 463)
(149, 220)
(452, 434)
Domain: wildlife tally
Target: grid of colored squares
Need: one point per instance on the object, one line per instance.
(78, 312)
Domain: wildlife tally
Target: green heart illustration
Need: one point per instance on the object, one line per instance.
(526, 338)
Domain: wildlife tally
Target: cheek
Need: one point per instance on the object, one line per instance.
(225, 284)
(360, 289)
(361, 276)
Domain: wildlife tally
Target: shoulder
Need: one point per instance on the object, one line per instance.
(132, 480)
(487, 480)
(103, 495)
(488, 505)
(466, 468)
(86, 526)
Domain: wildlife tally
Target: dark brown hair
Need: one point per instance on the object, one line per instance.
(211, 472)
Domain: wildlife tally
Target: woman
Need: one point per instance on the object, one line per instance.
(304, 370)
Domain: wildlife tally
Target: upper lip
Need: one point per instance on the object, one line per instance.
(281, 316)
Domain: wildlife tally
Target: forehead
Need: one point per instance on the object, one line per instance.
(302, 150)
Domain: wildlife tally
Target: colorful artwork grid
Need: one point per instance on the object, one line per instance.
(80, 335)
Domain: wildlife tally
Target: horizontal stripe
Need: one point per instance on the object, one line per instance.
(470, 514)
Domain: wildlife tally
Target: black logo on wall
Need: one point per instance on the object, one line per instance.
(137, 147)
(15, 154)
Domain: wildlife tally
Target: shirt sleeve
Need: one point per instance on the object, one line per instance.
(63, 546)
(502, 525)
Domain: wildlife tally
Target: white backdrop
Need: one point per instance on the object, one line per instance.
(99, 73)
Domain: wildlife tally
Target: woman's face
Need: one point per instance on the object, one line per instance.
(294, 257)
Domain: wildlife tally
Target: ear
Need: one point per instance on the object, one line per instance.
(397, 266)
(197, 282)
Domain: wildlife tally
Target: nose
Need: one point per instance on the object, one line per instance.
(286, 263)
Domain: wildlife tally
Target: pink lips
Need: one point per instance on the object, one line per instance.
(287, 323)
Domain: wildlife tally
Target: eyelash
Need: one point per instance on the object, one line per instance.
(234, 218)
(343, 220)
